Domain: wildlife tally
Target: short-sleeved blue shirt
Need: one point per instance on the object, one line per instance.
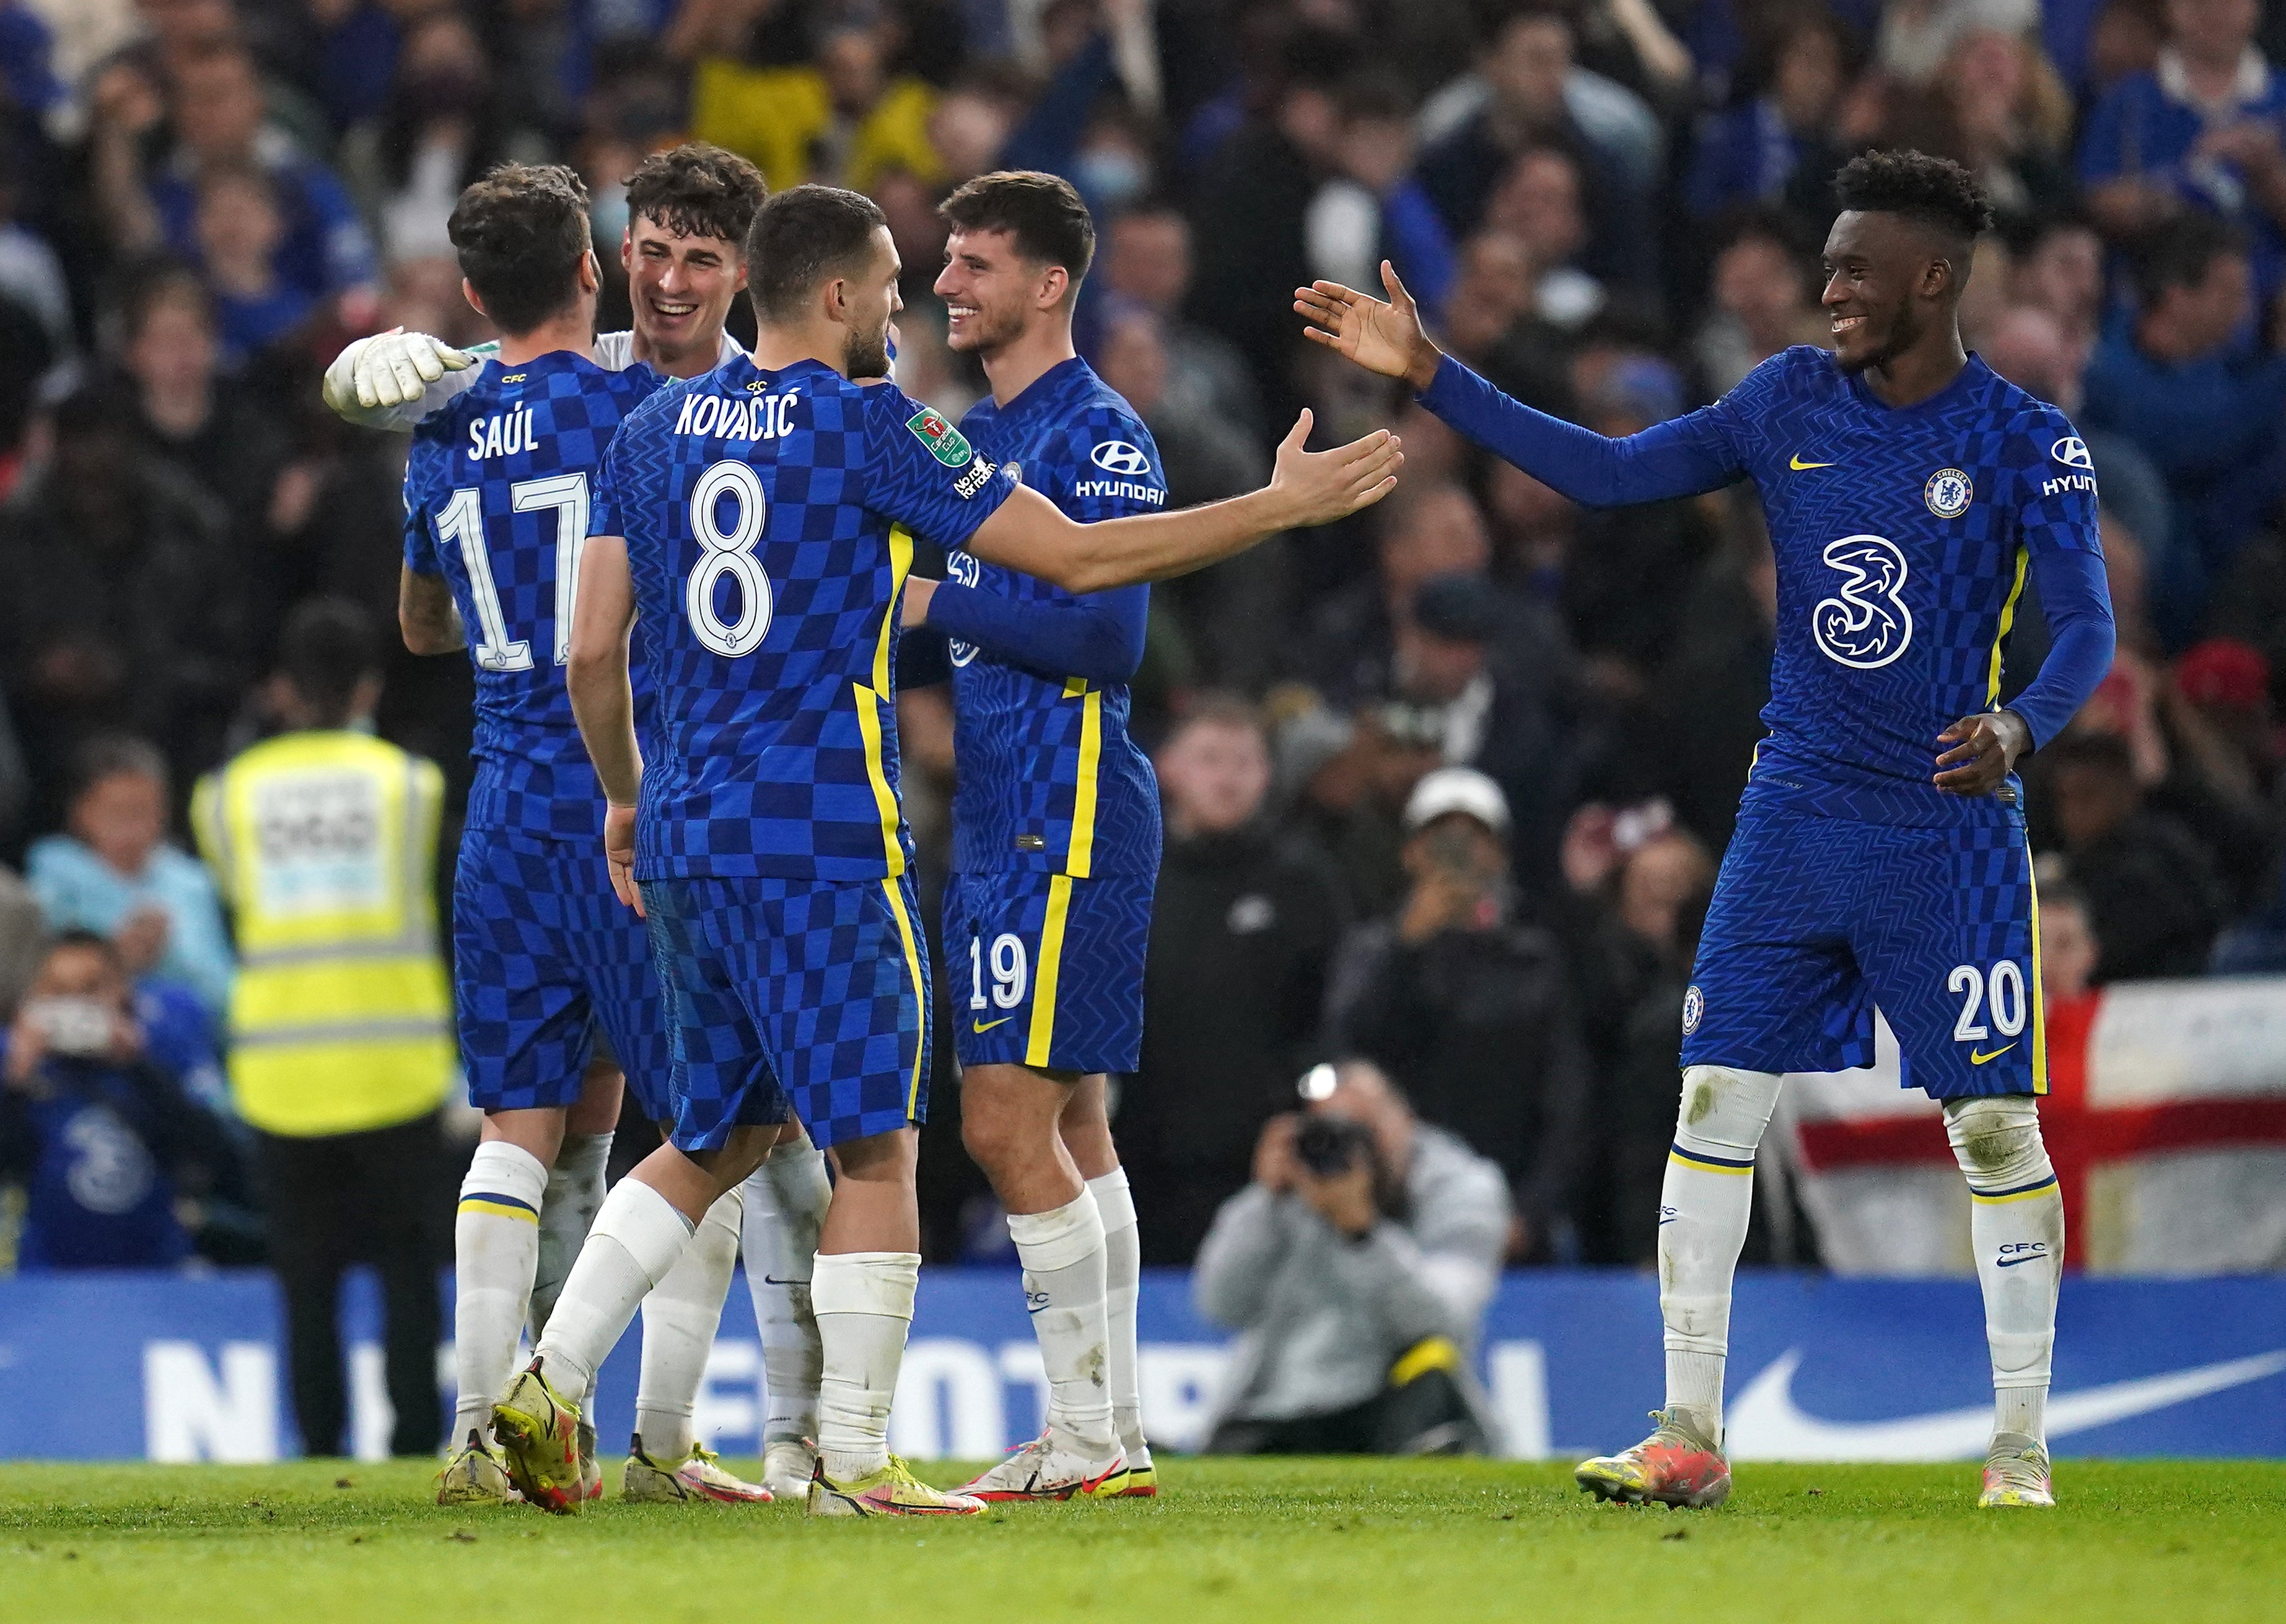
(499, 486)
(1050, 781)
(769, 518)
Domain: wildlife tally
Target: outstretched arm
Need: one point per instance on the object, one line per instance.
(1680, 458)
(393, 380)
(1029, 533)
(603, 697)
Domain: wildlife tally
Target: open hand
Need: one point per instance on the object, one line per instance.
(619, 855)
(1984, 750)
(1317, 487)
(1384, 338)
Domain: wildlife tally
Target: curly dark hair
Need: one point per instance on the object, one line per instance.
(697, 190)
(1929, 191)
(520, 233)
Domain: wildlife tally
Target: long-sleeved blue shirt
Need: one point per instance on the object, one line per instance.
(1903, 537)
(1050, 781)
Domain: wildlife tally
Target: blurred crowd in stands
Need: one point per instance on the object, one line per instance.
(1613, 208)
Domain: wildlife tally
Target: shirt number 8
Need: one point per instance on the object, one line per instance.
(728, 553)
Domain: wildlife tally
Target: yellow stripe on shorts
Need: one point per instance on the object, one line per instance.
(1045, 971)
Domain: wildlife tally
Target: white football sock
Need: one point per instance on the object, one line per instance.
(1062, 1252)
(1122, 1279)
(637, 1239)
(575, 1194)
(864, 1303)
(679, 1320)
(1703, 1205)
(786, 1211)
(2016, 1223)
(495, 1245)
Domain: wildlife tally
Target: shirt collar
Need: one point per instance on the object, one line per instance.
(2251, 84)
(1046, 387)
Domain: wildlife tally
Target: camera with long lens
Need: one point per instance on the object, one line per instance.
(1331, 1145)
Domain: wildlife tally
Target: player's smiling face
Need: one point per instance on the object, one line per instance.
(991, 291)
(1878, 270)
(679, 287)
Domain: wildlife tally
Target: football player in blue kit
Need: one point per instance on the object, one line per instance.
(497, 489)
(1880, 857)
(759, 518)
(1055, 831)
(684, 252)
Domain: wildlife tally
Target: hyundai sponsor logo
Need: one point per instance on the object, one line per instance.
(1118, 457)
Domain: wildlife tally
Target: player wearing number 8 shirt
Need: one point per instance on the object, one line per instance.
(756, 518)
(1880, 857)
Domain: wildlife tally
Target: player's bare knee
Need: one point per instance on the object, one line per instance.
(879, 1158)
(1725, 1108)
(1995, 1139)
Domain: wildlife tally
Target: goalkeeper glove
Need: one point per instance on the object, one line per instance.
(390, 369)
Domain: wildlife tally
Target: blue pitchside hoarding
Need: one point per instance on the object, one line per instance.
(1821, 1368)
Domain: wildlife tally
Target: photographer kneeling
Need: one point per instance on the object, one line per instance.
(1357, 1268)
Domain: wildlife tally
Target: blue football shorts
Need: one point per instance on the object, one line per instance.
(545, 956)
(1818, 920)
(1047, 970)
(806, 998)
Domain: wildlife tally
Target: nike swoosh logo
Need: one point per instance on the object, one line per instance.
(1801, 467)
(1765, 1424)
(986, 1026)
(1978, 1059)
(2010, 1263)
(769, 1281)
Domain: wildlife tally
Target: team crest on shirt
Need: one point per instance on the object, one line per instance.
(1948, 493)
(1694, 1005)
(945, 443)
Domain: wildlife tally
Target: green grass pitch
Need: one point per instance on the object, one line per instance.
(1316, 1541)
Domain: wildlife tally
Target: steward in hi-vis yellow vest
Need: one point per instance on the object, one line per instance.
(324, 845)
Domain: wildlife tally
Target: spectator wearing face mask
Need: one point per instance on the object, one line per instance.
(120, 1168)
(1467, 1011)
(114, 872)
(1243, 928)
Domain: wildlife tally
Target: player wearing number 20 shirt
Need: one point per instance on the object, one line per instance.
(1904, 538)
(498, 489)
(767, 518)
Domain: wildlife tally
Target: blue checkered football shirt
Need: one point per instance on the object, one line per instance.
(769, 519)
(1050, 780)
(499, 486)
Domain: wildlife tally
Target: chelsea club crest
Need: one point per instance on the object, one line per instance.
(1948, 493)
(1694, 1005)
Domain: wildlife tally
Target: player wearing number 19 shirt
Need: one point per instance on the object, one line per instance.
(1055, 833)
(1880, 857)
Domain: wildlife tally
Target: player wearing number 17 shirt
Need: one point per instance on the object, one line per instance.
(758, 520)
(498, 488)
(1880, 858)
